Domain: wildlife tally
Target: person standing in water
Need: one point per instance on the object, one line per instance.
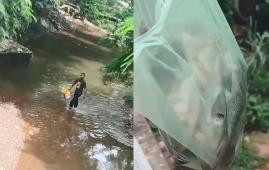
(80, 85)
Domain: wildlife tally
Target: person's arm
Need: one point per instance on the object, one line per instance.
(74, 84)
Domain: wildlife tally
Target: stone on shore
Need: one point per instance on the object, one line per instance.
(13, 54)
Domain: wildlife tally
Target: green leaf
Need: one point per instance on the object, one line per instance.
(125, 27)
(128, 61)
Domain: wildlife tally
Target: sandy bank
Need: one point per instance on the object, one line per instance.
(11, 136)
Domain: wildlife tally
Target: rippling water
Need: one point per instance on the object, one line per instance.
(96, 135)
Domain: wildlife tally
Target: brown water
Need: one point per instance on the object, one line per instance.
(94, 136)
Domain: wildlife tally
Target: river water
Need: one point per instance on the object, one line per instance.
(96, 135)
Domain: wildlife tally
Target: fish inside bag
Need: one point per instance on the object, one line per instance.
(190, 80)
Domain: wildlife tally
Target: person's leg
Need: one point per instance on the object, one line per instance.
(76, 101)
(71, 103)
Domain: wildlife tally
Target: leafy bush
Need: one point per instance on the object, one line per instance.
(123, 34)
(246, 158)
(102, 12)
(121, 67)
(258, 79)
(258, 111)
(15, 17)
(93, 9)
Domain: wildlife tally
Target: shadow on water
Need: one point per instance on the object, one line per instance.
(97, 134)
(65, 45)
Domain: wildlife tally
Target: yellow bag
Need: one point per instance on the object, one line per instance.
(66, 92)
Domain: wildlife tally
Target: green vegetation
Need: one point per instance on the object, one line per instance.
(124, 38)
(95, 11)
(15, 17)
(121, 68)
(113, 71)
(258, 79)
(246, 158)
(104, 13)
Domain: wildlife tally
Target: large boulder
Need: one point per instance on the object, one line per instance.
(13, 54)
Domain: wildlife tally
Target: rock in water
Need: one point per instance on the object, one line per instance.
(13, 54)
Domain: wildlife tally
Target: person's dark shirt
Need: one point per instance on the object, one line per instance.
(79, 90)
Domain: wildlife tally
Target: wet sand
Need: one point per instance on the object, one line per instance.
(29, 162)
(11, 136)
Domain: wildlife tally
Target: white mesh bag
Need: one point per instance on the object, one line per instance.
(190, 79)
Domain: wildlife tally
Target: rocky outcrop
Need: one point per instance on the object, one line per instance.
(50, 19)
(12, 54)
